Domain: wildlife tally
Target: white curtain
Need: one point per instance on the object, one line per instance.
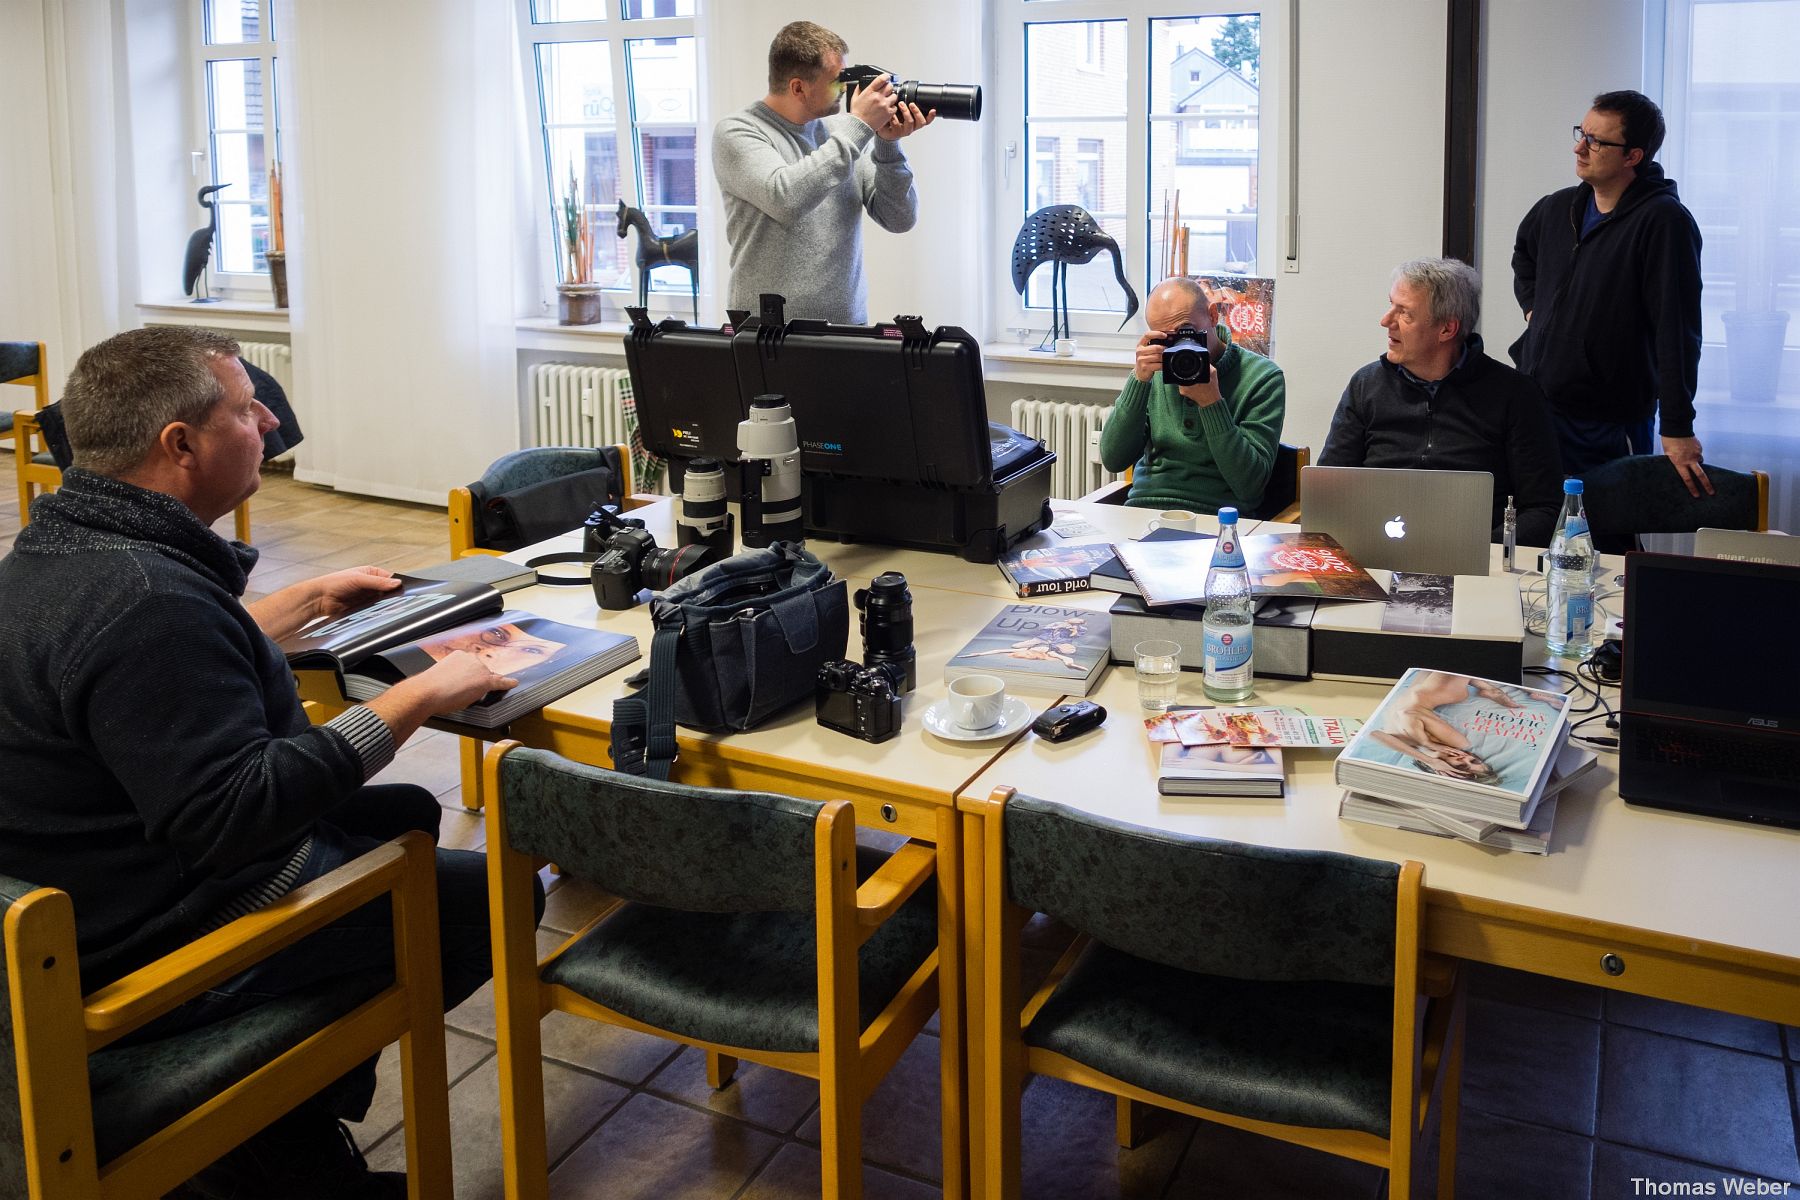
(399, 149)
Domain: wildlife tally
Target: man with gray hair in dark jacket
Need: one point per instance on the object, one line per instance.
(159, 766)
(1436, 402)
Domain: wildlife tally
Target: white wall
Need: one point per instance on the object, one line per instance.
(1545, 60)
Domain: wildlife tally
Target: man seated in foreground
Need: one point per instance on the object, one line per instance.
(1201, 446)
(1436, 402)
(159, 766)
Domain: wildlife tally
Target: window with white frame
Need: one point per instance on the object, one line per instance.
(1121, 107)
(1731, 97)
(615, 86)
(237, 104)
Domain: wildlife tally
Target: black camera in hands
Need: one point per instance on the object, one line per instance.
(885, 608)
(863, 702)
(627, 559)
(953, 101)
(1184, 357)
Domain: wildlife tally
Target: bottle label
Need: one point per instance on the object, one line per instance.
(1228, 553)
(1228, 657)
(1578, 616)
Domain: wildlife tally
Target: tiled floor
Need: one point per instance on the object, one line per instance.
(1569, 1092)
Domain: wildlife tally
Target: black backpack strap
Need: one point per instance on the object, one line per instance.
(643, 726)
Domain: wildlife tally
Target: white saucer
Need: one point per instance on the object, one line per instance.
(1015, 714)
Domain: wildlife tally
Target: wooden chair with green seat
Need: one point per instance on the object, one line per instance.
(525, 497)
(24, 364)
(1281, 495)
(754, 927)
(84, 1117)
(1272, 990)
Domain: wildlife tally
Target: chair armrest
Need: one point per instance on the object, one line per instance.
(111, 1012)
(24, 431)
(882, 893)
(1109, 493)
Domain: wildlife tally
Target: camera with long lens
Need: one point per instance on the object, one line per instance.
(769, 448)
(627, 559)
(953, 101)
(1184, 358)
(887, 627)
(702, 519)
(863, 702)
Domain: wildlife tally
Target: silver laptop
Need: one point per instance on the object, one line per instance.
(1745, 546)
(1434, 522)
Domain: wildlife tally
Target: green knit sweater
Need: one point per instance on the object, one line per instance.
(1199, 458)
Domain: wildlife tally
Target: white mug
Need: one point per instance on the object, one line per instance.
(1065, 347)
(1176, 518)
(975, 701)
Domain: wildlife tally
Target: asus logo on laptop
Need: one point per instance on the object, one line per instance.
(1765, 722)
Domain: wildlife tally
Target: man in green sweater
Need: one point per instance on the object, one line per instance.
(1202, 446)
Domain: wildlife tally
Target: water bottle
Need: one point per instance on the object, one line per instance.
(1570, 609)
(1230, 617)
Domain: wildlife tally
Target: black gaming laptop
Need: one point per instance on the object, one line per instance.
(1710, 719)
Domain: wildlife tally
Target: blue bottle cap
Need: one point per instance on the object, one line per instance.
(1228, 515)
(1571, 487)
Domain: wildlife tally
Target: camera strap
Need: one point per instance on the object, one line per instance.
(566, 556)
(643, 725)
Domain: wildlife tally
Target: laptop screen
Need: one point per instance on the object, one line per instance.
(1710, 640)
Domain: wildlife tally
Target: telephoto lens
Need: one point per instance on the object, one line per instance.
(769, 446)
(953, 101)
(887, 625)
(702, 519)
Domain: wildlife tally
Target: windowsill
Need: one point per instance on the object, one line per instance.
(260, 316)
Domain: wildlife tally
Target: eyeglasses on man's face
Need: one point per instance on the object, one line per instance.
(1582, 135)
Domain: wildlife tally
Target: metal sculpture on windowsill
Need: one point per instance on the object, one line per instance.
(1064, 235)
(675, 250)
(199, 249)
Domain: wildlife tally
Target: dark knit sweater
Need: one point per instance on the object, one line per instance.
(1615, 316)
(1485, 417)
(155, 758)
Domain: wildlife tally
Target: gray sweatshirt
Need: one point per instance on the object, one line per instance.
(794, 199)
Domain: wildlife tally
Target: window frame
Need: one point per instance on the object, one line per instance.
(253, 285)
(615, 30)
(1016, 147)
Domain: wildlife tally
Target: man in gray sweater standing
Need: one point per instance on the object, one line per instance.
(796, 176)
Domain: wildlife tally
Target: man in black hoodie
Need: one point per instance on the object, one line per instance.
(1608, 275)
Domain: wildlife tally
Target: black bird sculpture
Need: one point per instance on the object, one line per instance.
(675, 250)
(199, 247)
(1064, 234)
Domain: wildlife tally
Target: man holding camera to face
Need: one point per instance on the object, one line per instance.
(797, 176)
(1202, 444)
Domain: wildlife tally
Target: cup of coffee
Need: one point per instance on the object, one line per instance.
(1176, 518)
(1064, 347)
(975, 701)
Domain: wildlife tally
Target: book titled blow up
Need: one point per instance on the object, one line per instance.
(1038, 648)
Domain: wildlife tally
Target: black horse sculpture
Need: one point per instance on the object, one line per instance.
(676, 250)
(199, 247)
(1064, 234)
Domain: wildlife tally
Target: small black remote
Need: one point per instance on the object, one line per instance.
(1064, 721)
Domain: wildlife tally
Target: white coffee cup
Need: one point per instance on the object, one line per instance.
(1065, 347)
(1176, 518)
(976, 700)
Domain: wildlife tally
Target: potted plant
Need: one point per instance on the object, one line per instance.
(577, 296)
(1756, 331)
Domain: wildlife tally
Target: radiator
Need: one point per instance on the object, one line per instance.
(577, 405)
(273, 357)
(1073, 431)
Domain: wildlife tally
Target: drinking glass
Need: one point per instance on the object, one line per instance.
(1158, 674)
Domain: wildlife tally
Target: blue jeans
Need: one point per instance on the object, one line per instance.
(363, 941)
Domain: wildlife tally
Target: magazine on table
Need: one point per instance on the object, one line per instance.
(1220, 770)
(1571, 764)
(1051, 570)
(1112, 576)
(1473, 746)
(1038, 648)
(1202, 726)
(1280, 564)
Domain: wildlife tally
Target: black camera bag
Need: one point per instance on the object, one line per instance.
(735, 644)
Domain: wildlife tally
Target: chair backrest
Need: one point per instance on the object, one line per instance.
(1202, 905)
(1644, 493)
(1283, 488)
(669, 844)
(23, 363)
(12, 1132)
(536, 493)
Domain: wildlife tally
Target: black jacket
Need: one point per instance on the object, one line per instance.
(1615, 316)
(1485, 417)
(155, 761)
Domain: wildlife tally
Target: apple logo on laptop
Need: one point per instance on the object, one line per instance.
(1395, 528)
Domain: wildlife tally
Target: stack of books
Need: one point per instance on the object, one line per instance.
(1458, 756)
